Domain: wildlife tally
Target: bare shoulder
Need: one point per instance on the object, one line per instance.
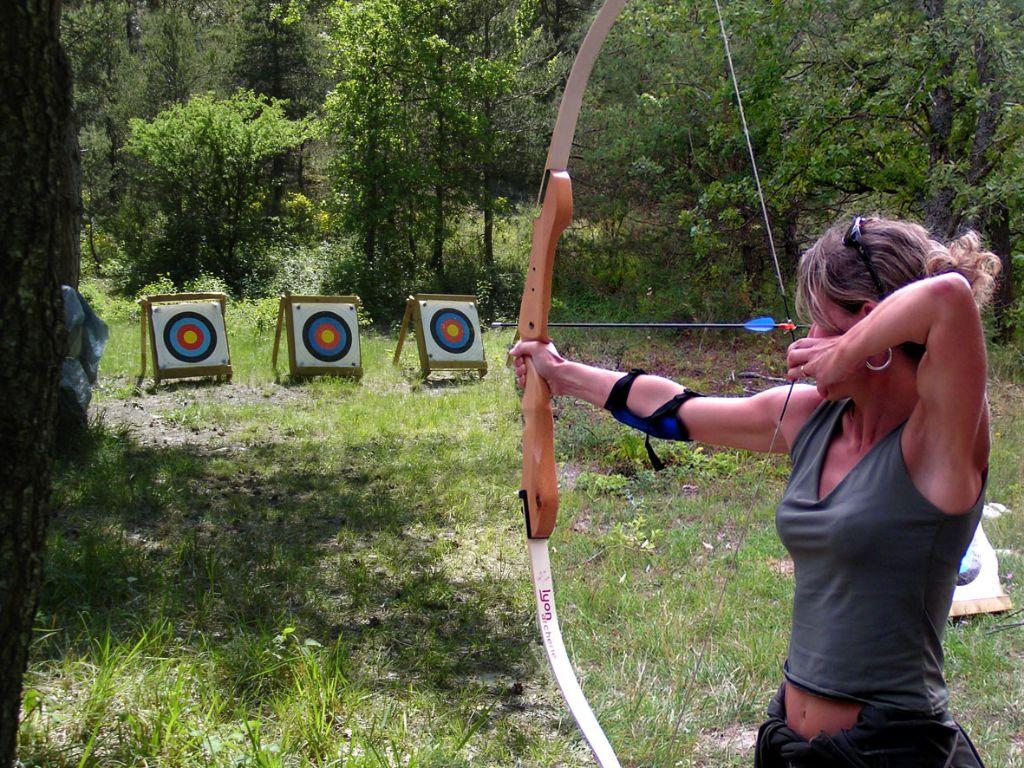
(804, 401)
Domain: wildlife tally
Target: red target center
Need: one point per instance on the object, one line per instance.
(190, 336)
(327, 336)
(453, 330)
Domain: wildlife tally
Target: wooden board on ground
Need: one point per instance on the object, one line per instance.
(322, 333)
(447, 330)
(977, 586)
(187, 335)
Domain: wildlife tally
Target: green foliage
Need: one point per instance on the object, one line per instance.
(602, 484)
(277, 54)
(200, 186)
(109, 307)
(437, 116)
(418, 79)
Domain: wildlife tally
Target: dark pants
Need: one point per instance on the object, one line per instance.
(881, 738)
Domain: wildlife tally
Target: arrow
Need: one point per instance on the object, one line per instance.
(757, 325)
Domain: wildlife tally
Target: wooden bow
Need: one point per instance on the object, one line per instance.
(540, 484)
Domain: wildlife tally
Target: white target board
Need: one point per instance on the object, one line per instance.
(451, 331)
(977, 585)
(189, 335)
(325, 335)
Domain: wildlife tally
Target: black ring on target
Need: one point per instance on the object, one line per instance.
(189, 337)
(326, 350)
(452, 330)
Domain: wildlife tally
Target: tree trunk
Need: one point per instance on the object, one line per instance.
(488, 206)
(995, 224)
(34, 194)
(488, 195)
(938, 202)
(437, 251)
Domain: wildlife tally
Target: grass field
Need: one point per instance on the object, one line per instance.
(333, 574)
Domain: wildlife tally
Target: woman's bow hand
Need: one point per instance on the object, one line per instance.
(545, 359)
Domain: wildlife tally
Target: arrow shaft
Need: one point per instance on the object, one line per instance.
(781, 326)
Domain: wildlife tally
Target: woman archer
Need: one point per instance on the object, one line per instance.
(890, 457)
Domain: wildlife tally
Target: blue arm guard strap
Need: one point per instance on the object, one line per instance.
(664, 423)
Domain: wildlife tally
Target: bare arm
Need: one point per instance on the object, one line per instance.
(735, 422)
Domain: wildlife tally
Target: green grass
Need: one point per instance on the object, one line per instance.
(332, 573)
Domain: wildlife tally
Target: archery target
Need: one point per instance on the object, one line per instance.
(451, 331)
(189, 335)
(978, 578)
(325, 335)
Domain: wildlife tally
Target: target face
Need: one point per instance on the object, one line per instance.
(452, 331)
(189, 335)
(325, 335)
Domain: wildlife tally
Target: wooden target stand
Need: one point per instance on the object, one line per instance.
(978, 589)
(432, 357)
(350, 365)
(150, 306)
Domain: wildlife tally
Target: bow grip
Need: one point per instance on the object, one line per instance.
(540, 483)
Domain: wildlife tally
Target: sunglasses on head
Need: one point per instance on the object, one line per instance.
(853, 239)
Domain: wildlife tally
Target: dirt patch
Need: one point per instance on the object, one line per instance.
(735, 739)
(147, 416)
(782, 565)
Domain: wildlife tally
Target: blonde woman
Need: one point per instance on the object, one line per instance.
(890, 456)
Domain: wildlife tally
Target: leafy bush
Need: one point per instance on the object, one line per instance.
(200, 187)
(109, 307)
(256, 315)
(302, 269)
(382, 285)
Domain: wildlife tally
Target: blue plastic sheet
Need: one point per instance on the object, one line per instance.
(87, 338)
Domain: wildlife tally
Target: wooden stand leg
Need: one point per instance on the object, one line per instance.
(406, 318)
(143, 318)
(277, 335)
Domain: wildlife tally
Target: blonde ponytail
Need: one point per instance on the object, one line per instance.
(967, 256)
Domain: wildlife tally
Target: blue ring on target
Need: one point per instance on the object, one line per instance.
(327, 350)
(452, 331)
(185, 348)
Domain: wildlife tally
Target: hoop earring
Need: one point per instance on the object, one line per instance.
(883, 366)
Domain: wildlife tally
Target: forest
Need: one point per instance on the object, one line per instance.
(385, 147)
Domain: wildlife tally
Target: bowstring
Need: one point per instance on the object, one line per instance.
(734, 562)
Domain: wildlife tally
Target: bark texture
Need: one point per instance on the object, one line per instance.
(37, 194)
(938, 204)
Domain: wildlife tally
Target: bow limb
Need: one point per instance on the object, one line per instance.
(572, 96)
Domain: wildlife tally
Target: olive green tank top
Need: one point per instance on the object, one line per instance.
(875, 567)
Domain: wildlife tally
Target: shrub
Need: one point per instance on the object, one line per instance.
(199, 186)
